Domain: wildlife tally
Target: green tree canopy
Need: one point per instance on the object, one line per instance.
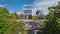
(21, 16)
(58, 21)
(4, 10)
(8, 26)
(41, 16)
(52, 26)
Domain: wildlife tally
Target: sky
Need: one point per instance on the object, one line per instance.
(17, 5)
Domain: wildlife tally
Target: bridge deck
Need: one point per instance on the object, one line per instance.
(30, 20)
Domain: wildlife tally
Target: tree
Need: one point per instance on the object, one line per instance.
(21, 16)
(52, 26)
(8, 26)
(58, 21)
(4, 10)
(42, 25)
(34, 17)
(41, 16)
(14, 15)
(49, 15)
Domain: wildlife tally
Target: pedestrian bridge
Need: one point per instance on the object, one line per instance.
(30, 20)
(31, 25)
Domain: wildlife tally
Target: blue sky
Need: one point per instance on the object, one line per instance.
(17, 5)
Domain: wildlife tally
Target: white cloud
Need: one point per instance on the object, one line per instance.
(1, 5)
(21, 12)
(43, 4)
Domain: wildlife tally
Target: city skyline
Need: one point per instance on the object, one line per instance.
(17, 5)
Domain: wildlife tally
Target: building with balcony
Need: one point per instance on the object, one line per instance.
(27, 10)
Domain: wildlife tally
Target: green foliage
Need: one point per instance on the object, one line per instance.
(58, 21)
(41, 24)
(53, 24)
(41, 16)
(21, 16)
(14, 15)
(34, 17)
(4, 10)
(55, 7)
(8, 26)
(50, 15)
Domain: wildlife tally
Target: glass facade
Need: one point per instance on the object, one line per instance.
(27, 9)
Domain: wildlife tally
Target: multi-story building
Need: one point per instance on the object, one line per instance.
(27, 10)
(38, 12)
